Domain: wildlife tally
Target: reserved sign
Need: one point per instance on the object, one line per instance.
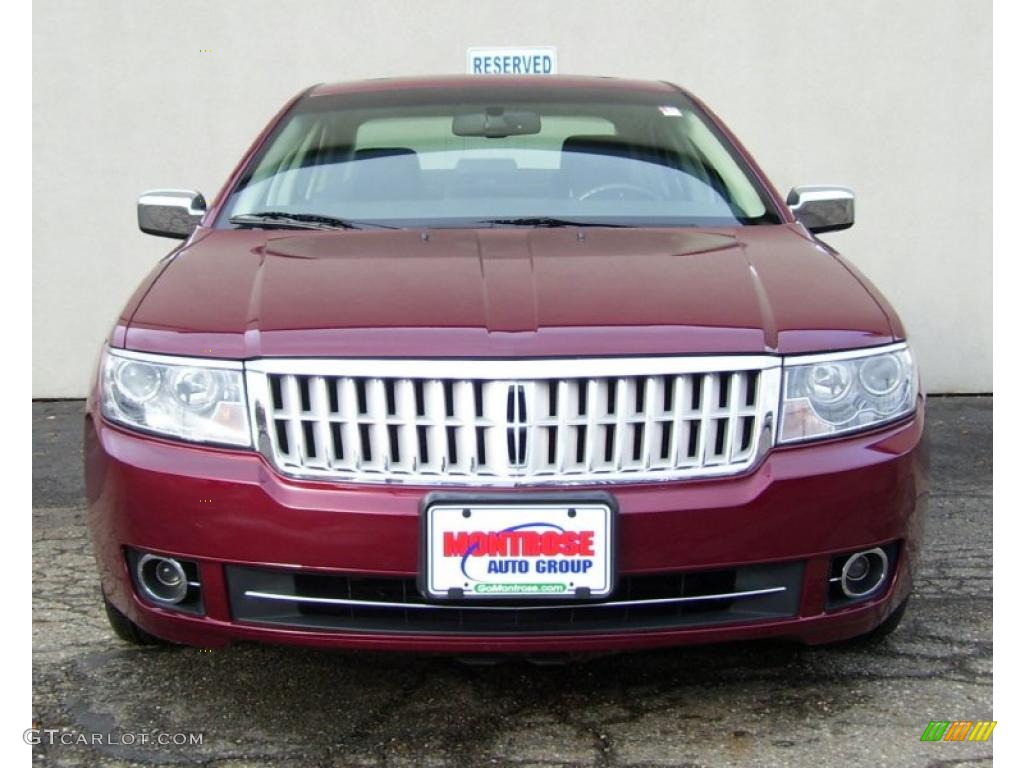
(534, 60)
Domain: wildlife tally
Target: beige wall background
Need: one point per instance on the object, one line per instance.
(892, 99)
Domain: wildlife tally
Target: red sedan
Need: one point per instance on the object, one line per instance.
(500, 365)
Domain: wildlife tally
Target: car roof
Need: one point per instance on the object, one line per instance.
(490, 83)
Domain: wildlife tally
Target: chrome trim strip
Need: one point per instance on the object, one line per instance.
(537, 607)
(421, 480)
(849, 354)
(199, 362)
(512, 369)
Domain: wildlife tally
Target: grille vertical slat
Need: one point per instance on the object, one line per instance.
(653, 402)
(705, 426)
(688, 420)
(536, 397)
(623, 389)
(408, 441)
(734, 404)
(437, 438)
(293, 407)
(465, 426)
(496, 439)
(349, 404)
(590, 448)
(468, 430)
(376, 421)
(564, 441)
(680, 435)
(321, 424)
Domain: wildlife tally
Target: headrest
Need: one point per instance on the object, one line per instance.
(373, 153)
(395, 173)
(598, 145)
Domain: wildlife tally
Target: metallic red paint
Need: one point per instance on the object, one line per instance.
(801, 503)
(508, 292)
(501, 293)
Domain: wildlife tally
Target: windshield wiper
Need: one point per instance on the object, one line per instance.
(301, 221)
(547, 221)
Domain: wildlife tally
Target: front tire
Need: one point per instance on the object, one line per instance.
(126, 629)
(886, 628)
(889, 626)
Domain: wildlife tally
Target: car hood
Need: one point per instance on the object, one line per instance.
(504, 292)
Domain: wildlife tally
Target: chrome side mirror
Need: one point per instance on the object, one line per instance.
(170, 212)
(822, 208)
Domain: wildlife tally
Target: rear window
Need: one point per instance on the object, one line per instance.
(487, 161)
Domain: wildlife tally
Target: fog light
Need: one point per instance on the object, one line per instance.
(864, 572)
(857, 568)
(162, 579)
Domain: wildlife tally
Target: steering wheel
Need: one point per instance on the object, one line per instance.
(623, 191)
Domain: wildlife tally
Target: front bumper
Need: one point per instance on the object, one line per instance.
(231, 513)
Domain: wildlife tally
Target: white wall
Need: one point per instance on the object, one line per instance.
(891, 98)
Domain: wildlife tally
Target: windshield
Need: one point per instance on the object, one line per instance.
(503, 159)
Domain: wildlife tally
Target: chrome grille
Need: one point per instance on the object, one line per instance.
(514, 422)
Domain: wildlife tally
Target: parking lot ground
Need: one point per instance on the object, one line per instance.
(750, 704)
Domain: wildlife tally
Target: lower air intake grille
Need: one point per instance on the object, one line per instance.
(648, 602)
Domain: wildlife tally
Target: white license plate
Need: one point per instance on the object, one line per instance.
(495, 550)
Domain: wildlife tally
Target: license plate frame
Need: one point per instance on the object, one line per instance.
(434, 585)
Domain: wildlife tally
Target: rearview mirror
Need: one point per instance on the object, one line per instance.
(822, 208)
(496, 123)
(170, 212)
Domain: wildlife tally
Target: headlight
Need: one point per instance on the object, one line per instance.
(191, 399)
(827, 395)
